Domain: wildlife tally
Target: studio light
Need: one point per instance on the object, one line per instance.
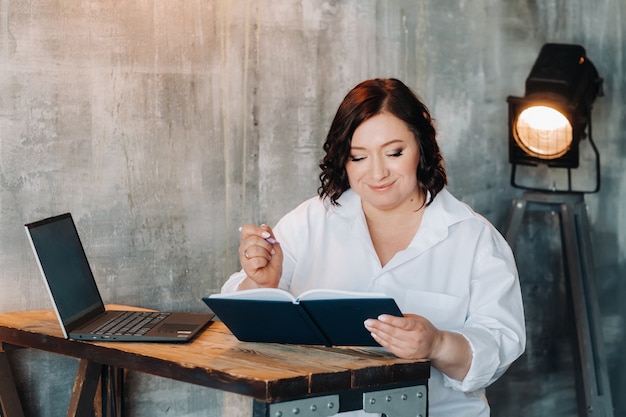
(547, 125)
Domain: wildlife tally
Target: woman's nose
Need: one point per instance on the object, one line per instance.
(379, 168)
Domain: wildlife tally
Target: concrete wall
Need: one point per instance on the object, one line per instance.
(164, 125)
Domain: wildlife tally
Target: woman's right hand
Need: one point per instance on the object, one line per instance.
(261, 260)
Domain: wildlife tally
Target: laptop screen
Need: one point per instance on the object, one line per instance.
(65, 267)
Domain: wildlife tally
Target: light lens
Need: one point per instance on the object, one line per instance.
(543, 132)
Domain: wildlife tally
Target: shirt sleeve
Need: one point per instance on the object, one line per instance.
(233, 281)
(495, 327)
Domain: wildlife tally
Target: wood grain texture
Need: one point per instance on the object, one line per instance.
(216, 359)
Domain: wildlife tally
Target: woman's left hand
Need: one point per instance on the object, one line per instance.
(415, 337)
(408, 337)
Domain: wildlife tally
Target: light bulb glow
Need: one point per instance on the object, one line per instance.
(543, 132)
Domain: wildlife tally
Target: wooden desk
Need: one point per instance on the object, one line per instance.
(317, 381)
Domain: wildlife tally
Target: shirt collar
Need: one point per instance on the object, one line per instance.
(348, 207)
(443, 212)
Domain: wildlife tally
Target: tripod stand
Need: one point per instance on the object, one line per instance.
(593, 392)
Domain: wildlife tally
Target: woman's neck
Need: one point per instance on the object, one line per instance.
(392, 231)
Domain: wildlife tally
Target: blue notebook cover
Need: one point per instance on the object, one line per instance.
(328, 317)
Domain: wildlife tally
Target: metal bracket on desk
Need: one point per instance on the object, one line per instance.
(397, 402)
(325, 406)
(411, 401)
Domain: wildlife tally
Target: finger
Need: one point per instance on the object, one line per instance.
(379, 331)
(258, 235)
(254, 253)
(384, 324)
(268, 235)
(395, 321)
(395, 331)
(397, 345)
(263, 231)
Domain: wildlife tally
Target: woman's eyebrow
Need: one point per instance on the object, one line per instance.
(391, 142)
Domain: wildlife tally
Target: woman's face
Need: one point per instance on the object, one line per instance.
(383, 163)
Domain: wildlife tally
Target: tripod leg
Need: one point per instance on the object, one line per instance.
(514, 220)
(594, 395)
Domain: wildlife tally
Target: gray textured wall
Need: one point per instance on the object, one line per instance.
(163, 126)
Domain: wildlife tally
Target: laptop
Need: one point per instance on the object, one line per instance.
(77, 300)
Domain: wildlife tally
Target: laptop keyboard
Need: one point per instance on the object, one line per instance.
(131, 323)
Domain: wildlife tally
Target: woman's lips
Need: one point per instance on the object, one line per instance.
(380, 187)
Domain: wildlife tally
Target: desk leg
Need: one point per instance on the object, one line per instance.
(112, 385)
(84, 400)
(84, 391)
(9, 400)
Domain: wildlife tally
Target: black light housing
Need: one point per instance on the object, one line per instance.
(548, 123)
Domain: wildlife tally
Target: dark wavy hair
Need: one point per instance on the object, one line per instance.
(366, 100)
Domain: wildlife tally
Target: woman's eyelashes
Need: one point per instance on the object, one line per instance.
(393, 154)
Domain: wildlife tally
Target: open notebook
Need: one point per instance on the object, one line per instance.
(76, 298)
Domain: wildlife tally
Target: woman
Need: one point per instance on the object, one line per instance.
(384, 222)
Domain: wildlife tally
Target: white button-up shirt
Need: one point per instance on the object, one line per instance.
(458, 272)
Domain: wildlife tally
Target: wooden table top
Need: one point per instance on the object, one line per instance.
(216, 359)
